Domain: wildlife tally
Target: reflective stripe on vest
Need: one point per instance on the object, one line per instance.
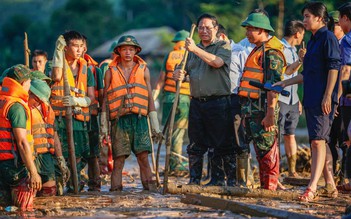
(12, 92)
(132, 97)
(174, 58)
(40, 133)
(253, 70)
(78, 88)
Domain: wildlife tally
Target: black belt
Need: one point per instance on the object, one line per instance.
(208, 98)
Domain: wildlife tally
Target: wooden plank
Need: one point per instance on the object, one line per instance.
(242, 208)
(234, 191)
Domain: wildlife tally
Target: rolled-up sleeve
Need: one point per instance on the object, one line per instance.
(332, 50)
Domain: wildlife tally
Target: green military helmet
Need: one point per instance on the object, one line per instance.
(127, 40)
(19, 72)
(112, 47)
(180, 36)
(258, 20)
(3, 75)
(41, 90)
(335, 16)
(40, 75)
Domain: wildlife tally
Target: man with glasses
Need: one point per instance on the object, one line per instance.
(210, 115)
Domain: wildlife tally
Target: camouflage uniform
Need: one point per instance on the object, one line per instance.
(252, 112)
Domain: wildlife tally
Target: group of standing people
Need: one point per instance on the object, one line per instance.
(218, 104)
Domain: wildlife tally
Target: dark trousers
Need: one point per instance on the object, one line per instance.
(210, 126)
(346, 117)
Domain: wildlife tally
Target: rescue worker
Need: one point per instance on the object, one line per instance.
(94, 182)
(105, 63)
(168, 85)
(258, 119)
(17, 169)
(128, 95)
(81, 82)
(39, 60)
(210, 123)
(43, 119)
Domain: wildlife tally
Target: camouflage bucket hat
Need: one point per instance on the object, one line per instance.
(20, 73)
(180, 36)
(258, 20)
(127, 40)
(335, 16)
(39, 75)
(41, 90)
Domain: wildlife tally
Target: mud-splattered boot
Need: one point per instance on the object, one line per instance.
(292, 166)
(195, 169)
(244, 175)
(217, 172)
(229, 164)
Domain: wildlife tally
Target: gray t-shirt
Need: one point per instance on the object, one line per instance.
(206, 80)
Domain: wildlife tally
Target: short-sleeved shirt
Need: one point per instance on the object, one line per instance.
(17, 116)
(238, 59)
(100, 79)
(206, 80)
(290, 57)
(78, 125)
(345, 48)
(323, 54)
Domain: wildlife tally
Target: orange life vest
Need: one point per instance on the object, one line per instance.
(174, 58)
(92, 64)
(127, 97)
(78, 88)
(43, 130)
(12, 92)
(253, 70)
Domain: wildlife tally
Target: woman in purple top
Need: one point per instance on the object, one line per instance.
(320, 74)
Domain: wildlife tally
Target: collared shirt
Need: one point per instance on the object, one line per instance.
(323, 54)
(239, 56)
(206, 80)
(290, 57)
(345, 48)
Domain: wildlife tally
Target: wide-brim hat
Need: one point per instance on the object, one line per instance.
(180, 36)
(127, 40)
(40, 75)
(19, 72)
(258, 20)
(41, 90)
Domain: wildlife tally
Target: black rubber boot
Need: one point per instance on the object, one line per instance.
(217, 172)
(229, 164)
(195, 168)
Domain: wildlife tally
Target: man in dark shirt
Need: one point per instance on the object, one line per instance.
(210, 116)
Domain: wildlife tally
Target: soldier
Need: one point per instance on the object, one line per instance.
(81, 82)
(39, 60)
(210, 123)
(17, 169)
(128, 94)
(165, 82)
(94, 182)
(259, 110)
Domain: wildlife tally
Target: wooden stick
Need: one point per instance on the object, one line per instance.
(242, 208)
(171, 122)
(232, 191)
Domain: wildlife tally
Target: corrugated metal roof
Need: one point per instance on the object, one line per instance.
(148, 38)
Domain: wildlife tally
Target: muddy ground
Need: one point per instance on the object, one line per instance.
(133, 202)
